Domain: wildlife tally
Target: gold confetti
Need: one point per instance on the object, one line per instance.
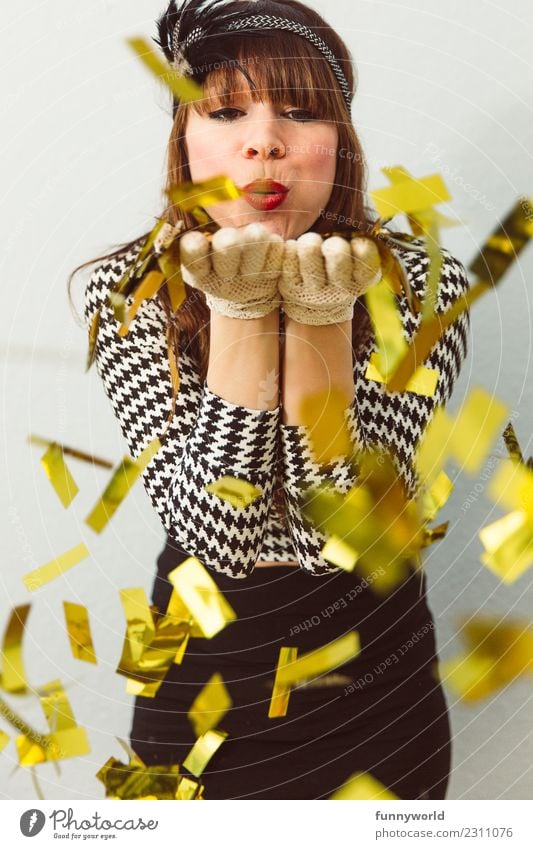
(323, 416)
(38, 577)
(203, 750)
(4, 740)
(210, 705)
(491, 265)
(375, 519)
(387, 326)
(204, 193)
(499, 652)
(13, 674)
(148, 288)
(93, 336)
(71, 452)
(319, 660)
(422, 382)
(434, 497)
(79, 632)
(362, 785)
(183, 88)
(338, 552)
(66, 740)
(137, 781)
(410, 195)
(151, 644)
(118, 487)
(467, 438)
(512, 445)
(279, 701)
(200, 594)
(506, 242)
(59, 475)
(508, 544)
(239, 493)
(432, 535)
(189, 789)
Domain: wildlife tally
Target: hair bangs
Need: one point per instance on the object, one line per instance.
(275, 69)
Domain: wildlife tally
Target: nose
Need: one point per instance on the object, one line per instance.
(273, 149)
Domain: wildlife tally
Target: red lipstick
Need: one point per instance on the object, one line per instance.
(265, 194)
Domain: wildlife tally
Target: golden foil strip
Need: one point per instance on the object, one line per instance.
(203, 750)
(210, 705)
(137, 781)
(93, 337)
(201, 596)
(189, 789)
(467, 437)
(494, 260)
(511, 443)
(79, 632)
(183, 88)
(498, 652)
(508, 545)
(148, 288)
(13, 673)
(239, 493)
(323, 416)
(151, 645)
(433, 498)
(38, 577)
(279, 701)
(4, 740)
(118, 487)
(506, 242)
(204, 193)
(432, 535)
(319, 660)
(422, 382)
(387, 326)
(375, 519)
(71, 452)
(70, 743)
(410, 195)
(362, 785)
(338, 552)
(59, 474)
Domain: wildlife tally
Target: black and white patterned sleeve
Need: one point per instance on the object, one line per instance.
(396, 421)
(208, 438)
(377, 419)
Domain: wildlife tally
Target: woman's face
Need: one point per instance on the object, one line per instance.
(235, 141)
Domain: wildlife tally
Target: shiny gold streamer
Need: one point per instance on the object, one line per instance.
(119, 486)
(203, 750)
(35, 579)
(59, 474)
(210, 705)
(13, 673)
(239, 493)
(79, 632)
(201, 596)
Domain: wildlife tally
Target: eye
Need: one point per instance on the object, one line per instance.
(220, 115)
(302, 112)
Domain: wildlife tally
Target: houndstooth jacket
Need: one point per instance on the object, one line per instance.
(210, 437)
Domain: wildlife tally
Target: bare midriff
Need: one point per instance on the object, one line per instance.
(276, 563)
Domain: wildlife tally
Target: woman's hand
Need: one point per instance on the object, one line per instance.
(322, 278)
(238, 270)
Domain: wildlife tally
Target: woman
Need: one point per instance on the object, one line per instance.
(278, 85)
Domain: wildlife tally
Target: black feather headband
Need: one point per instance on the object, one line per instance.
(183, 33)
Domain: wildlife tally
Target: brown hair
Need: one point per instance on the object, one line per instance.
(309, 81)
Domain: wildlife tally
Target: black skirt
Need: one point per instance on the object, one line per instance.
(383, 713)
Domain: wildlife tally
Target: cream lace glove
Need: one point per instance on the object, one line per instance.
(322, 278)
(238, 270)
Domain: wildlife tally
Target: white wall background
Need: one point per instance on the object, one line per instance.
(443, 87)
